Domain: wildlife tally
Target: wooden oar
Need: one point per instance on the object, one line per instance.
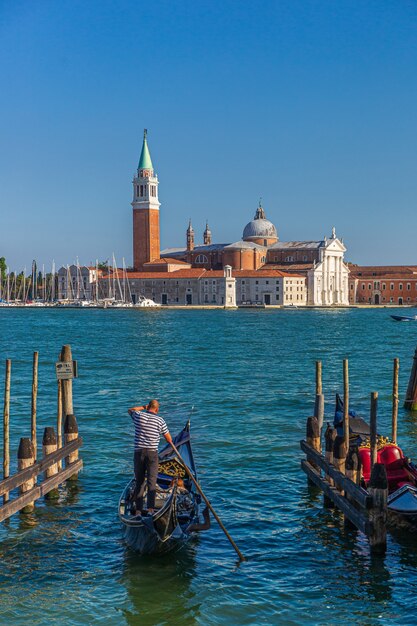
(219, 521)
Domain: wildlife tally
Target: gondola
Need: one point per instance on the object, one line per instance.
(176, 505)
(401, 472)
(404, 318)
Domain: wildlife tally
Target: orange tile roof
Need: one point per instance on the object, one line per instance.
(166, 261)
(379, 270)
(200, 273)
(289, 267)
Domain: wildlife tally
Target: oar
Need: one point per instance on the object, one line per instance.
(219, 521)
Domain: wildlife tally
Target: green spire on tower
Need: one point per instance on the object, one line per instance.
(145, 161)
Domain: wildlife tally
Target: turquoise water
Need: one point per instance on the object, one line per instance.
(250, 376)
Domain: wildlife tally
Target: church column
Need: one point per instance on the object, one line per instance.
(340, 281)
(328, 299)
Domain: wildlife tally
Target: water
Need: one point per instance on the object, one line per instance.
(250, 376)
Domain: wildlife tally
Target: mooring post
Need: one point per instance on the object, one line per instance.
(319, 401)
(373, 427)
(67, 405)
(339, 455)
(6, 426)
(378, 490)
(395, 401)
(50, 445)
(34, 400)
(352, 472)
(59, 419)
(26, 458)
(330, 436)
(346, 426)
(71, 433)
(411, 397)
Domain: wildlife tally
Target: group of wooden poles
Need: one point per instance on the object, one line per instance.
(337, 472)
(59, 462)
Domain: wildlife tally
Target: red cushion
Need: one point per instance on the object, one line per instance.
(391, 456)
(365, 456)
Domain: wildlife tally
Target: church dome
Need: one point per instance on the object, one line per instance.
(260, 228)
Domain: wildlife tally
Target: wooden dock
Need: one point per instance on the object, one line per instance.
(60, 461)
(337, 469)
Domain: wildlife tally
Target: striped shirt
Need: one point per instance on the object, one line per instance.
(149, 428)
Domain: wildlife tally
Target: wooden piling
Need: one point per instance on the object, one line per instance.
(319, 401)
(71, 433)
(6, 425)
(330, 436)
(339, 454)
(395, 401)
(50, 445)
(67, 404)
(378, 490)
(353, 465)
(373, 427)
(26, 458)
(313, 436)
(59, 419)
(346, 427)
(411, 396)
(34, 400)
(353, 473)
(319, 383)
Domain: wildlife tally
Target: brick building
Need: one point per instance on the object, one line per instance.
(384, 284)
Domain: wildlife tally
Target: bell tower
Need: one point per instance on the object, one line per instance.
(190, 237)
(146, 241)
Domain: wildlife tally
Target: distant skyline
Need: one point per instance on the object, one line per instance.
(310, 105)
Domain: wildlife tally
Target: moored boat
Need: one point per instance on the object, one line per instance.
(176, 505)
(401, 472)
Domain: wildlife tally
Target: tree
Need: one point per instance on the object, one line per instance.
(3, 268)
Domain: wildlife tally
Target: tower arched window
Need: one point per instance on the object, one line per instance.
(201, 258)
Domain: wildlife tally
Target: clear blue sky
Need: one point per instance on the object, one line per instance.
(309, 104)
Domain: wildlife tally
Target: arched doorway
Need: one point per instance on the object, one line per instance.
(400, 300)
(376, 299)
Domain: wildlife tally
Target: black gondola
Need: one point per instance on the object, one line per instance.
(176, 507)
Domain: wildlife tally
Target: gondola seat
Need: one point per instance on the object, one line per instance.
(393, 459)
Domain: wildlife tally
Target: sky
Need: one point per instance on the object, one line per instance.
(308, 104)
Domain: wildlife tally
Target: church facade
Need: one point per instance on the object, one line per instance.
(316, 268)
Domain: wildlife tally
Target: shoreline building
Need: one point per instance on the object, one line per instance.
(262, 268)
(383, 284)
(78, 282)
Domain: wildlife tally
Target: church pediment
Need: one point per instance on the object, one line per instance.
(335, 244)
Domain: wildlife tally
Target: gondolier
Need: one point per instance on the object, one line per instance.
(149, 427)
